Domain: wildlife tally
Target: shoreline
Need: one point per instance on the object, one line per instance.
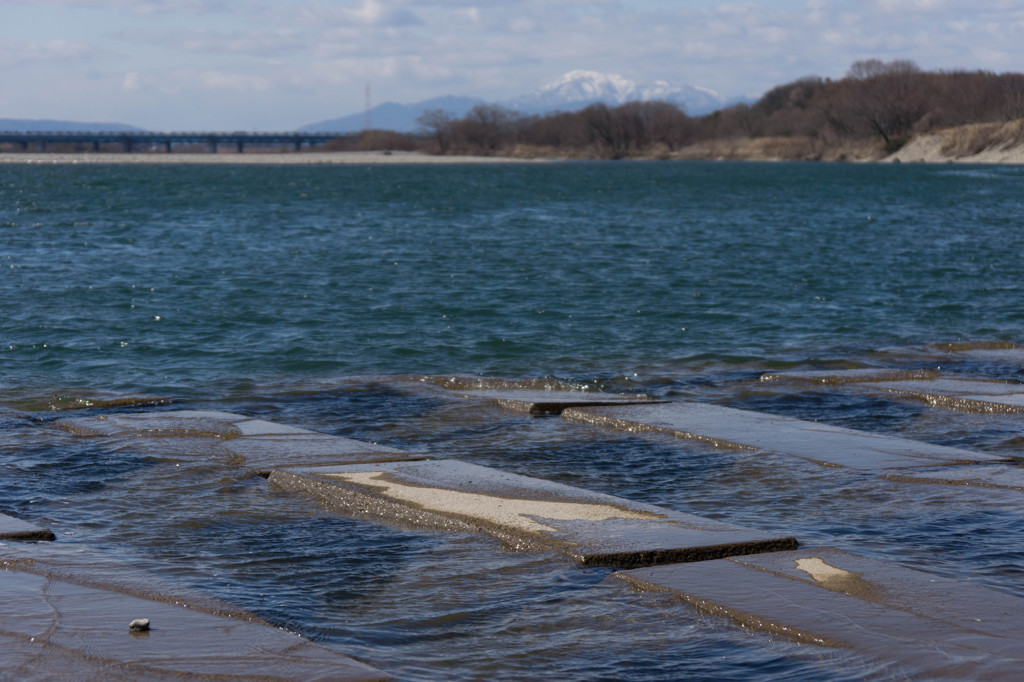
(254, 158)
(942, 147)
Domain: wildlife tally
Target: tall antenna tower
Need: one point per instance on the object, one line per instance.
(367, 124)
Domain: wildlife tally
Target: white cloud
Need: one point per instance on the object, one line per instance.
(815, 10)
(903, 6)
(375, 13)
(524, 26)
(259, 43)
(132, 82)
(772, 35)
(25, 53)
(234, 82)
(148, 7)
(367, 13)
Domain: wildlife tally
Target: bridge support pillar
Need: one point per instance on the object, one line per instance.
(95, 145)
(240, 146)
(167, 146)
(298, 144)
(213, 145)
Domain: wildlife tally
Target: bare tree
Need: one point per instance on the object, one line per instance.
(669, 125)
(605, 129)
(1013, 88)
(486, 128)
(562, 130)
(438, 123)
(887, 98)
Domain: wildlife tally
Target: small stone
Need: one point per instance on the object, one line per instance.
(139, 625)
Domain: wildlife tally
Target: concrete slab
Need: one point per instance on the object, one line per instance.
(467, 382)
(526, 513)
(963, 395)
(549, 402)
(1007, 356)
(16, 530)
(259, 427)
(1004, 476)
(728, 427)
(189, 423)
(259, 444)
(81, 564)
(82, 399)
(934, 627)
(268, 452)
(851, 376)
(55, 627)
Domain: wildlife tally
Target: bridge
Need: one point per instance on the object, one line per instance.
(136, 141)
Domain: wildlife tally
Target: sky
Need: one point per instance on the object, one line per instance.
(270, 65)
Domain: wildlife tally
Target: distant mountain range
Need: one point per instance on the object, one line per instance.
(391, 116)
(26, 125)
(573, 91)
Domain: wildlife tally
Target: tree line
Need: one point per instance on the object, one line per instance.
(876, 102)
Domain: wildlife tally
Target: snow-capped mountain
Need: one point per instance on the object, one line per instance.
(580, 88)
(573, 91)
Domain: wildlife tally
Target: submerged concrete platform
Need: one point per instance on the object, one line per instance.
(55, 629)
(82, 399)
(256, 443)
(729, 427)
(16, 530)
(1003, 353)
(526, 513)
(964, 395)
(1001, 476)
(850, 376)
(931, 626)
(549, 402)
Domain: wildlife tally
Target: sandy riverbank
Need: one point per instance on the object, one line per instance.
(992, 143)
(979, 143)
(284, 158)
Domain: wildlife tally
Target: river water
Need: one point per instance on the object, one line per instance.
(318, 296)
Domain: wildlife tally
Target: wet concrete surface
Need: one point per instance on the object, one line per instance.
(16, 530)
(57, 628)
(1005, 355)
(525, 513)
(82, 399)
(851, 376)
(1004, 476)
(729, 427)
(190, 423)
(255, 443)
(266, 452)
(965, 395)
(549, 402)
(954, 387)
(933, 627)
(67, 561)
